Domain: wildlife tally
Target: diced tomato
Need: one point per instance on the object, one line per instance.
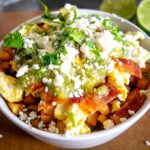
(92, 102)
(129, 66)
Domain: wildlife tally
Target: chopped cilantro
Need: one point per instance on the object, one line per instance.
(36, 30)
(62, 50)
(113, 29)
(93, 48)
(46, 14)
(77, 35)
(72, 119)
(13, 40)
(96, 16)
(48, 58)
(27, 53)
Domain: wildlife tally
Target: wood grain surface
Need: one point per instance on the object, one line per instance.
(16, 139)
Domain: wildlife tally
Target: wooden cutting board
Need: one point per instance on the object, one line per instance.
(16, 139)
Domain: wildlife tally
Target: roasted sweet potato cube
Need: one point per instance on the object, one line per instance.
(61, 126)
(49, 110)
(36, 88)
(5, 65)
(46, 96)
(134, 102)
(133, 80)
(16, 107)
(9, 50)
(46, 117)
(35, 122)
(147, 68)
(29, 100)
(133, 94)
(92, 119)
(116, 119)
(5, 56)
(142, 83)
(101, 118)
(33, 107)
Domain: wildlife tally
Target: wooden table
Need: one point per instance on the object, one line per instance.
(16, 139)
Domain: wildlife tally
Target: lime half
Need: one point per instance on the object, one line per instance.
(123, 8)
(143, 15)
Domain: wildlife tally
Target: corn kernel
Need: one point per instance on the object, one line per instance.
(115, 105)
(102, 118)
(104, 110)
(108, 124)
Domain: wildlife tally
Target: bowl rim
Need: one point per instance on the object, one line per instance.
(145, 107)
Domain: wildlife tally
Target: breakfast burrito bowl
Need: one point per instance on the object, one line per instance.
(73, 79)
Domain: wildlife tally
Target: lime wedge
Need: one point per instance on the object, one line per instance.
(123, 8)
(143, 15)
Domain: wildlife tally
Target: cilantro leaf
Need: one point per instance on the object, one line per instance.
(13, 40)
(93, 48)
(48, 58)
(113, 29)
(62, 50)
(77, 35)
(46, 14)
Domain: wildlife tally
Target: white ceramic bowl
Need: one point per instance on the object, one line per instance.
(95, 138)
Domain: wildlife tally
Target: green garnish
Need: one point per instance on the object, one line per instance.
(113, 29)
(78, 36)
(13, 40)
(62, 50)
(46, 14)
(75, 34)
(27, 53)
(48, 58)
(93, 48)
(72, 119)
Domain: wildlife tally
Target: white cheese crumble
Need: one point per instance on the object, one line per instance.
(123, 119)
(28, 43)
(54, 103)
(46, 80)
(77, 82)
(46, 89)
(58, 80)
(108, 124)
(22, 116)
(22, 70)
(32, 115)
(36, 66)
(86, 51)
(68, 6)
(52, 127)
(131, 112)
(106, 43)
(147, 143)
(1, 136)
(68, 58)
(41, 125)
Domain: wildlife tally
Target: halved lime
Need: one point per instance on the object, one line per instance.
(123, 8)
(143, 15)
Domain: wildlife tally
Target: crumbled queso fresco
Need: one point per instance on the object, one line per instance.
(70, 67)
(72, 53)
